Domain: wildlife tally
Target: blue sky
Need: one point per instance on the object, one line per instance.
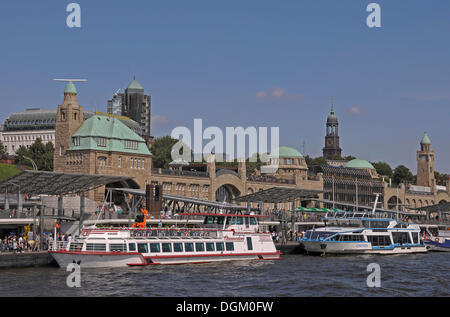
(246, 63)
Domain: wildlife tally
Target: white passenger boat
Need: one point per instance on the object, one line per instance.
(362, 233)
(437, 237)
(223, 237)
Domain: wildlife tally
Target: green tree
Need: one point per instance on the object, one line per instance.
(383, 168)
(441, 179)
(2, 150)
(402, 174)
(40, 154)
(349, 158)
(161, 149)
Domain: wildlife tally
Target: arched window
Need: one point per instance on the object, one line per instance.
(101, 161)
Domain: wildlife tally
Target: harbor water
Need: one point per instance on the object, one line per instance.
(293, 275)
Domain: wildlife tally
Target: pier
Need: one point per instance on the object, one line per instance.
(26, 259)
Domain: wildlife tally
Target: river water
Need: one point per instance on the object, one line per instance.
(294, 275)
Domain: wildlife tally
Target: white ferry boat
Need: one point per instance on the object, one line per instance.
(223, 237)
(437, 237)
(352, 233)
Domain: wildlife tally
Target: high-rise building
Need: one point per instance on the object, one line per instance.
(332, 151)
(134, 104)
(425, 163)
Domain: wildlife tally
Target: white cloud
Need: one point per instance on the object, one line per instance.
(278, 92)
(355, 110)
(160, 119)
(261, 94)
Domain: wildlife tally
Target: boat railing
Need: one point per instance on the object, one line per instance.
(171, 233)
(58, 245)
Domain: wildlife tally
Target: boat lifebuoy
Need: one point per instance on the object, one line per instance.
(437, 240)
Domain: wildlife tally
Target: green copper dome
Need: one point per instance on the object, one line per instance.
(425, 139)
(359, 164)
(70, 88)
(135, 85)
(285, 151)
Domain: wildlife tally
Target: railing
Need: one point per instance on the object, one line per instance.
(58, 245)
(175, 232)
(265, 179)
(179, 173)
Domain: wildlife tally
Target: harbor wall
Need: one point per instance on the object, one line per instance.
(27, 259)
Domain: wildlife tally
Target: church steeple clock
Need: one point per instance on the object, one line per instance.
(332, 149)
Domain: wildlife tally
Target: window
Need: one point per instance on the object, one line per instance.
(119, 161)
(101, 141)
(229, 246)
(400, 237)
(76, 141)
(76, 246)
(101, 161)
(132, 247)
(219, 246)
(252, 221)
(167, 247)
(132, 145)
(199, 247)
(415, 236)
(379, 240)
(95, 247)
(142, 247)
(189, 247)
(118, 247)
(155, 248)
(178, 247)
(249, 243)
(209, 246)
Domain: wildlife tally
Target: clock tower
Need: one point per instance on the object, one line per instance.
(425, 163)
(332, 150)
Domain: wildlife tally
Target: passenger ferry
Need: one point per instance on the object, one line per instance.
(360, 233)
(437, 237)
(222, 237)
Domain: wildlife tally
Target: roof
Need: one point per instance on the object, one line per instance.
(70, 88)
(135, 85)
(356, 163)
(285, 151)
(49, 183)
(40, 119)
(278, 195)
(425, 139)
(332, 118)
(442, 206)
(114, 131)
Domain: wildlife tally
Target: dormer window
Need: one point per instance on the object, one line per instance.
(76, 141)
(101, 142)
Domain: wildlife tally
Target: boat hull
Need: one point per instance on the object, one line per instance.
(441, 245)
(91, 260)
(321, 247)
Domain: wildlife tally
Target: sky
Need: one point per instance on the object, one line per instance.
(261, 63)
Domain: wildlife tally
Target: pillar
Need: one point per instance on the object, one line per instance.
(82, 211)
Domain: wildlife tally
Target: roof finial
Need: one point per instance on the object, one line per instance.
(332, 105)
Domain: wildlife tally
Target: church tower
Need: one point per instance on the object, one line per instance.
(69, 118)
(425, 163)
(332, 150)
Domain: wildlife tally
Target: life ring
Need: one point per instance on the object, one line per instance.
(437, 240)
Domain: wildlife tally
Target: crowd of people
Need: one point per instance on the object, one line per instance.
(19, 243)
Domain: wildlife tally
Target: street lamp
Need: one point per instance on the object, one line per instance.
(32, 162)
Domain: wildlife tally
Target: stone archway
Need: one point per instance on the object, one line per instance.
(393, 202)
(226, 193)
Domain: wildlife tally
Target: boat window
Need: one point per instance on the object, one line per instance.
(199, 246)
(155, 247)
(76, 246)
(351, 237)
(239, 220)
(132, 247)
(415, 236)
(220, 220)
(246, 222)
(401, 237)
(142, 247)
(95, 247)
(189, 247)
(209, 246)
(219, 246)
(252, 221)
(249, 243)
(118, 247)
(167, 247)
(178, 247)
(209, 220)
(379, 240)
(229, 246)
(316, 235)
(378, 224)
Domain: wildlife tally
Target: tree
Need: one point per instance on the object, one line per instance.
(402, 174)
(161, 150)
(441, 179)
(383, 168)
(349, 158)
(40, 154)
(3, 152)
